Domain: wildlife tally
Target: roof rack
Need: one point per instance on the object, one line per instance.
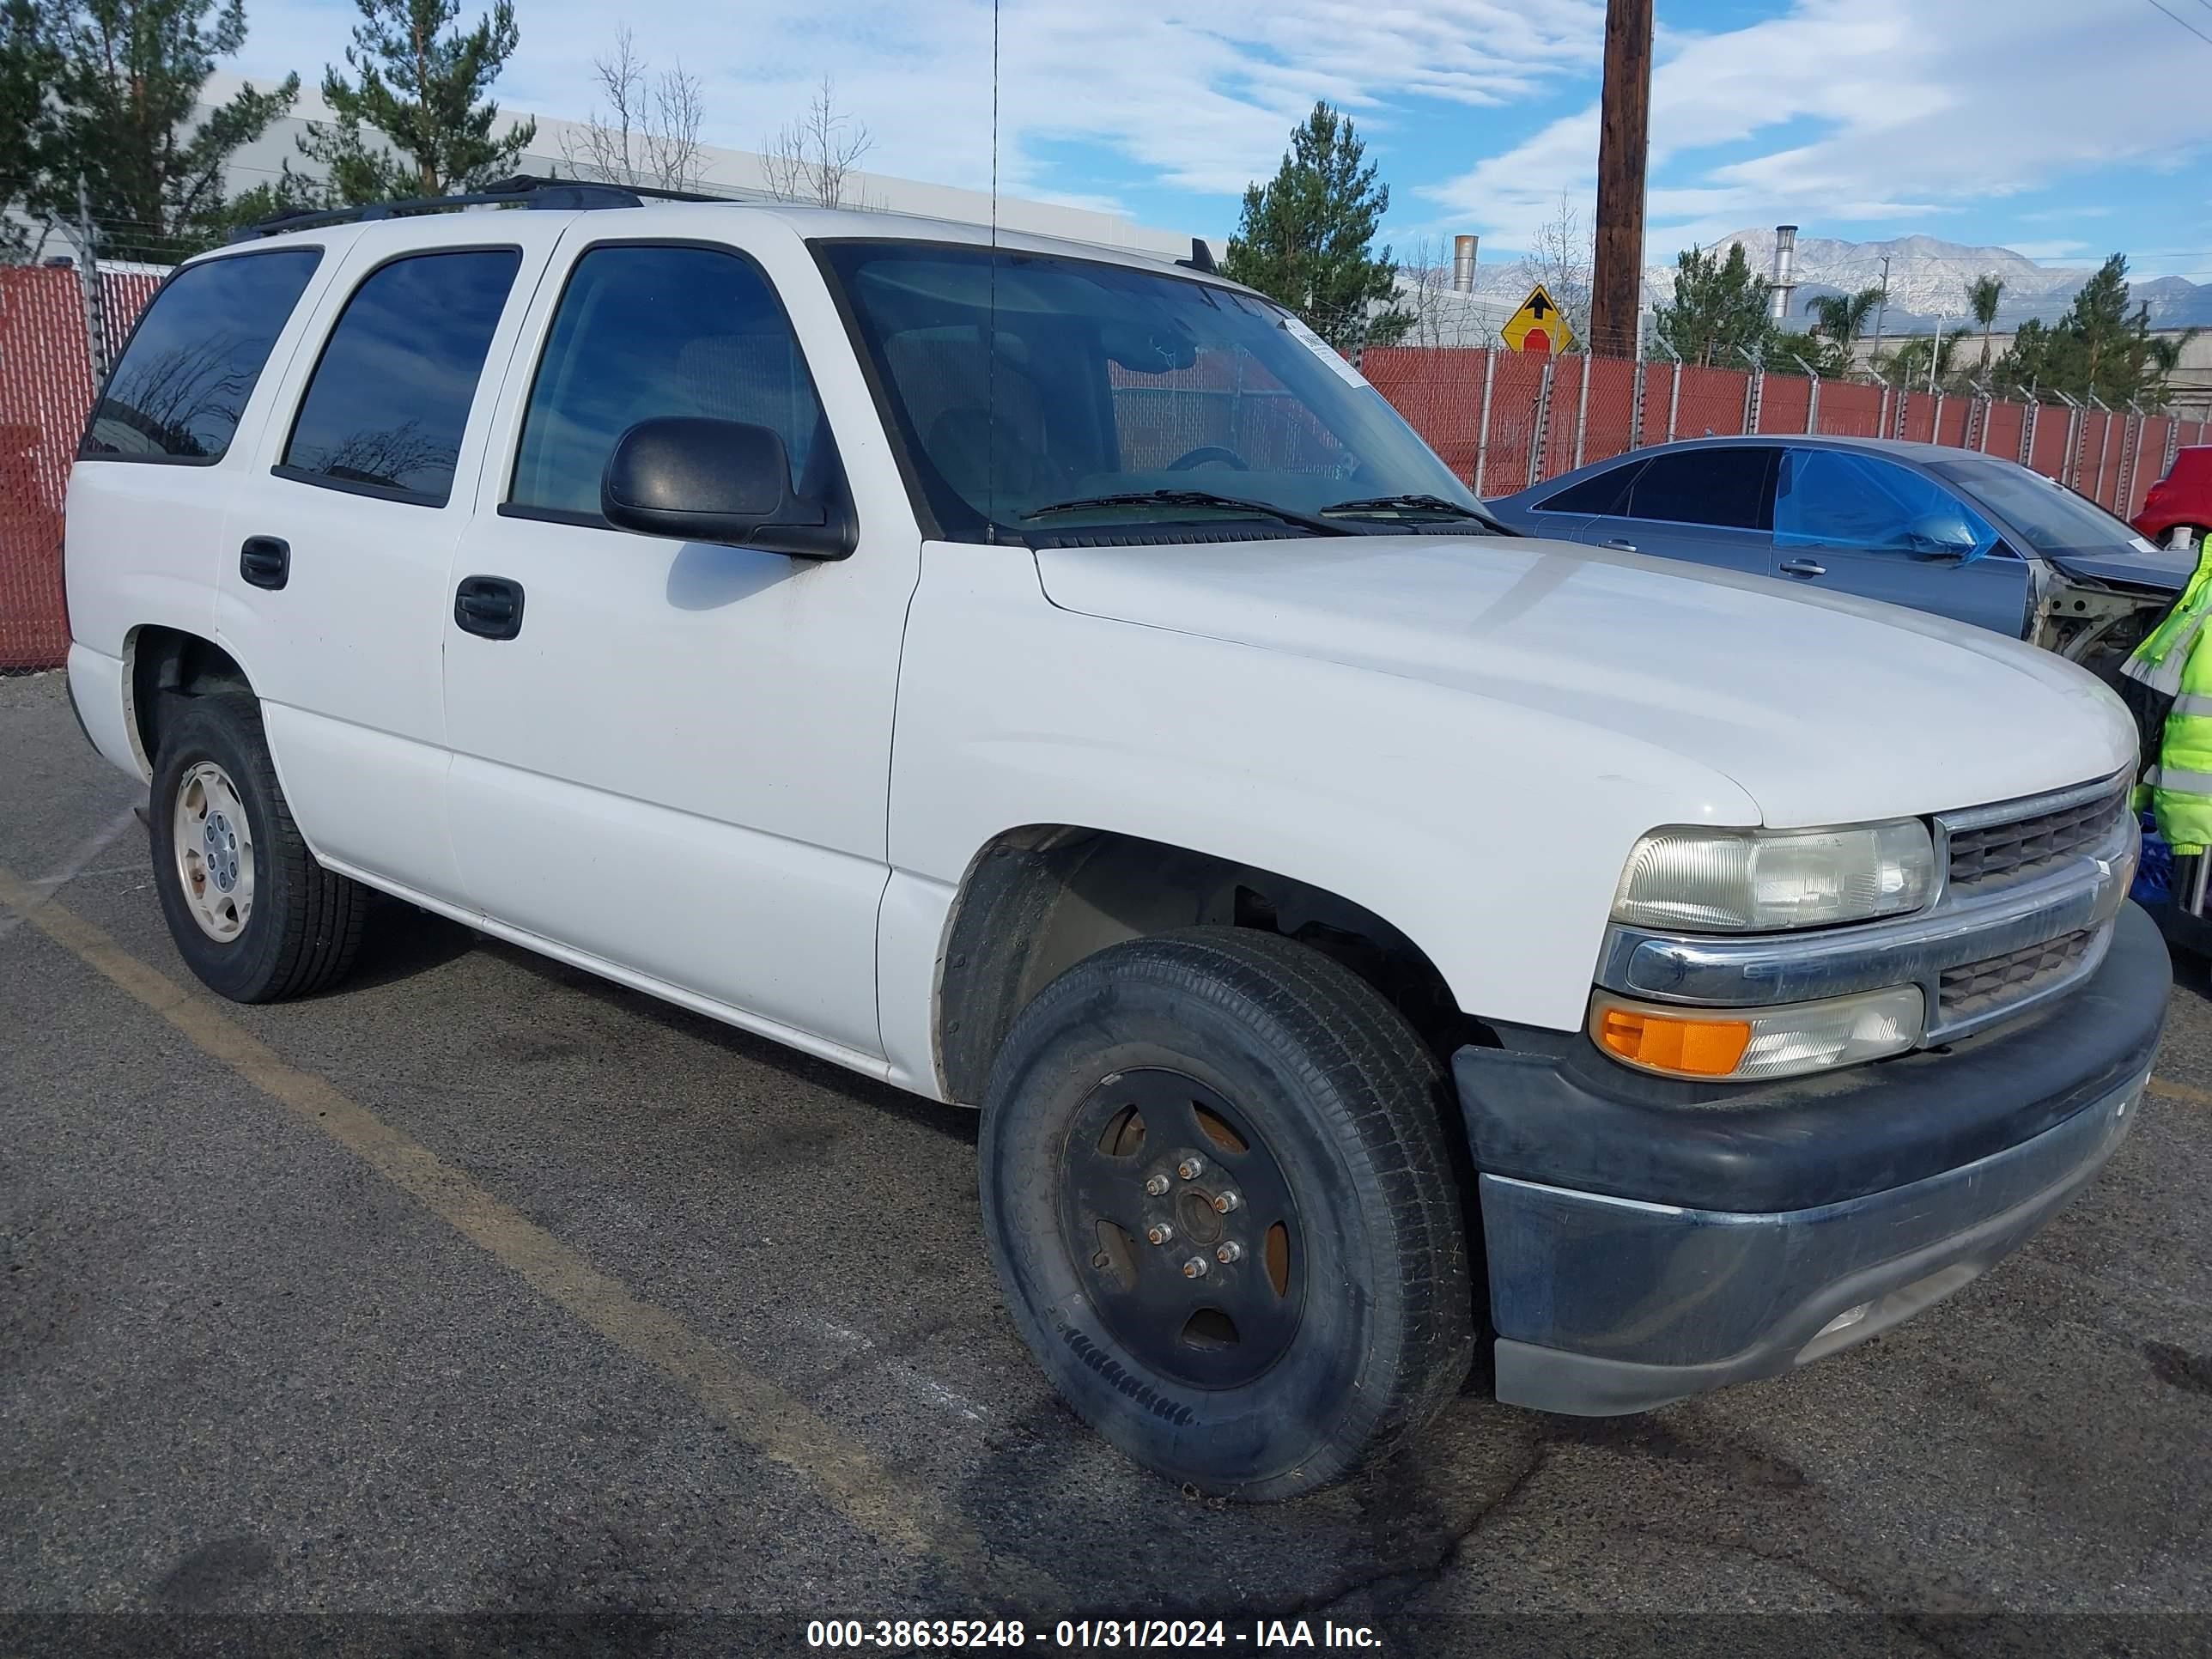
(522, 191)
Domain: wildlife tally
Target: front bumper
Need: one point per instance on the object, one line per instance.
(1646, 1243)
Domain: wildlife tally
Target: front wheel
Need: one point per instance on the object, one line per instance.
(1216, 1187)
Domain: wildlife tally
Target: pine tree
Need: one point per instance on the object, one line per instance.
(1719, 308)
(420, 86)
(2097, 349)
(128, 77)
(1307, 236)
(28, 64)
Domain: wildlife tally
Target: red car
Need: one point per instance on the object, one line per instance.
(2178, 509)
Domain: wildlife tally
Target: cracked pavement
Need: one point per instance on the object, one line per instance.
(673, 1340)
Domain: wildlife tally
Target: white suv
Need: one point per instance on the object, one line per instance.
(1054, 682)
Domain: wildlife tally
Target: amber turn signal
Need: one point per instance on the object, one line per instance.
(1757, 1045)
(1660, 1042)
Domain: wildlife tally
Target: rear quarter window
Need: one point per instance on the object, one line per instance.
(195, 358)
(1601, 494)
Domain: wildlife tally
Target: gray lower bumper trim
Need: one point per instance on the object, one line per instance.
(1605, 1306)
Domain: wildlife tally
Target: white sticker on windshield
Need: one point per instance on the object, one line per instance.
(2142, 546)
(1323, 349)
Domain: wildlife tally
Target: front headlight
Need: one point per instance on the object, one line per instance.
(1756, 881)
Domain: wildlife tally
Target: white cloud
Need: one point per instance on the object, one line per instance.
(1885, 108)
(2050, 250)
(1200, 97)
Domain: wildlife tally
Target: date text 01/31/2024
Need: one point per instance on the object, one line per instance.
(1081, 1635)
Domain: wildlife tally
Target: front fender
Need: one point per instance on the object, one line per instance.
(1492, 836)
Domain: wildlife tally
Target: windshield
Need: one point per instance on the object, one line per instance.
(2052, 517)
(1107, 381)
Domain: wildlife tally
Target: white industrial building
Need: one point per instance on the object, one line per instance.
(740, 174)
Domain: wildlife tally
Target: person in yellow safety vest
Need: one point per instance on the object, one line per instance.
(2175, 660)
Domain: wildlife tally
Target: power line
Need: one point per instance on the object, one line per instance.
(2185, 23)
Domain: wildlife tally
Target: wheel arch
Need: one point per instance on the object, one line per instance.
(158, 658)
(1039, 898)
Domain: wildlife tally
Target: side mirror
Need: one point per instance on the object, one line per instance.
(700, 480)
(1940, 536)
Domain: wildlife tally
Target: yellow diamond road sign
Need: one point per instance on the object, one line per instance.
(1537, 326)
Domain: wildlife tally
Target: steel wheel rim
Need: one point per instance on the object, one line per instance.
(1217, 1303)
(214, 845)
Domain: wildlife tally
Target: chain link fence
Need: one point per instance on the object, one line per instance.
(60, 326)
(1502, 420)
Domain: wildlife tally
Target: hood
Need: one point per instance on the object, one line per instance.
(1823, 709)
(2137, 562)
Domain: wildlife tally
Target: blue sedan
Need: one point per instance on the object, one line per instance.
(1951, 531)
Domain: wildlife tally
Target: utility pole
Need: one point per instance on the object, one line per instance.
(1623, 146)
(1881, 311)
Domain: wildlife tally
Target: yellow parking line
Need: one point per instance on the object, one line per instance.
(760, 1413)
(2172, 1091)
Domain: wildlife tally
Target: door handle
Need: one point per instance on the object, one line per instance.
(1622, 547)
(1803, 568)
(265, 561)
(490, 606)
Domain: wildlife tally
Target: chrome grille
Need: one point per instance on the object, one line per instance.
(1997, 982)
(1992, 855)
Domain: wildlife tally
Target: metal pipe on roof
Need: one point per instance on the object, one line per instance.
(1463, 248)
(1785, 269)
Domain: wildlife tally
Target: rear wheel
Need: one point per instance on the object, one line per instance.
(1217, 1190)
(252, 914)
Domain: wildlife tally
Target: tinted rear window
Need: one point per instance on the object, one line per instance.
(185, 378)
(1726, 488)
(391, 397)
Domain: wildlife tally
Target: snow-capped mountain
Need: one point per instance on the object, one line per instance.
(1928, 279)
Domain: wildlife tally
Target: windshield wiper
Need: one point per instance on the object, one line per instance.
(1194, 498)
(1372, 505)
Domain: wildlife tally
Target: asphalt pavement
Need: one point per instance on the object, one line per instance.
(481, 1304)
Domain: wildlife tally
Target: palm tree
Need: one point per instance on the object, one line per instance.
(1982, 295)
(1842, 317)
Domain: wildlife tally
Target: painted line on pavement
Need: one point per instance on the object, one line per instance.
(758, 1412)
(74, 866)
(2183, 1092)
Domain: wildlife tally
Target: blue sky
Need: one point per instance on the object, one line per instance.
(2065, 129)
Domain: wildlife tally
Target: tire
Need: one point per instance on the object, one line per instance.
(302, 926)
(1346, 1319)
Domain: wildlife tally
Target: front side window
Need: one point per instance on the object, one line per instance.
(1022, 384)
(1838, 498)
(390, 399)
(195, 357)
(1724, 487)
(643, 332)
